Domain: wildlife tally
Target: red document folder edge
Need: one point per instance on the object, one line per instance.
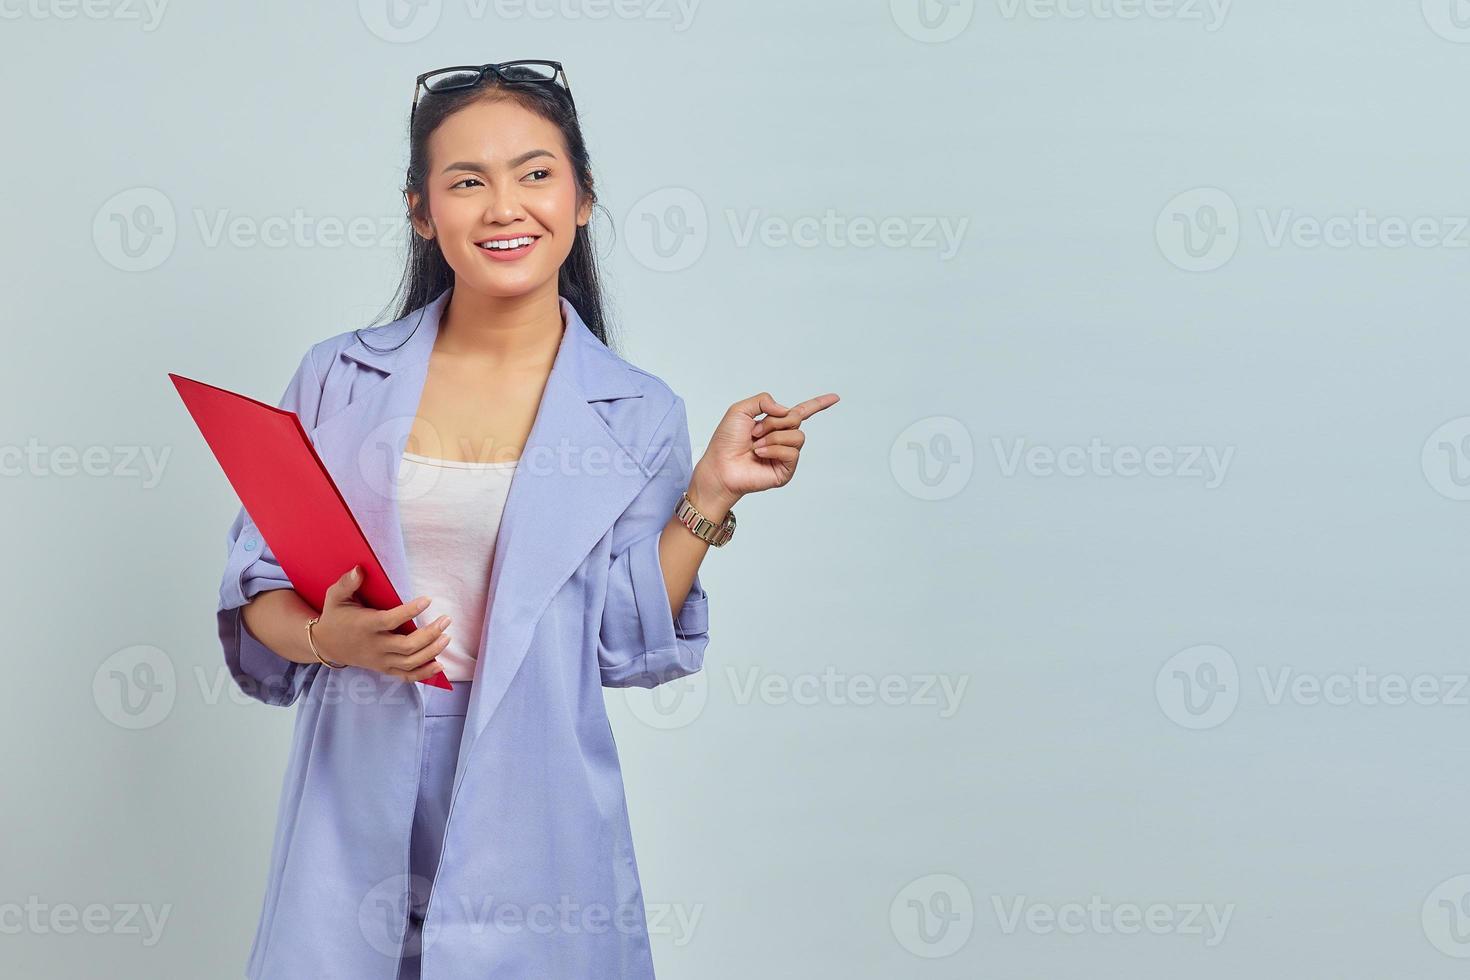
(270, 461)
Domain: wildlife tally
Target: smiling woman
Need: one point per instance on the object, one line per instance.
(499, 155)
(546, 490)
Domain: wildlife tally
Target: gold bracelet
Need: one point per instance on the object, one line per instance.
(310, 639)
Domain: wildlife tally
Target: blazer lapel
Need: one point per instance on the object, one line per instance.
(573, 481)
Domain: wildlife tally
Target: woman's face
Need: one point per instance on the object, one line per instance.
(499, 171)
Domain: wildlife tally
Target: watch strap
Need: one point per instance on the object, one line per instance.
(716, 534)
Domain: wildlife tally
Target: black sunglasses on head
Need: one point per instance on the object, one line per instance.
(532, 72)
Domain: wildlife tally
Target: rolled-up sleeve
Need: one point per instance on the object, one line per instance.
(251, 568)
(642, 643)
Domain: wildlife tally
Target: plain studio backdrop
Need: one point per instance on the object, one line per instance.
(1114, 623)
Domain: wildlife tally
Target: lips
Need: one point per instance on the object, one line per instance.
(507, 244)
(507, 249)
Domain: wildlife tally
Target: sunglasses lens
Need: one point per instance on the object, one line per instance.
(529, 71)
(452, 79)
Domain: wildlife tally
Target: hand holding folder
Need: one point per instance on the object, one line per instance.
(285, 488)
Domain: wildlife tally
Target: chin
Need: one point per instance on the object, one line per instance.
(503, 287)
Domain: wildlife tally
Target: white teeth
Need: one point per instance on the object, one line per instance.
(508, 243)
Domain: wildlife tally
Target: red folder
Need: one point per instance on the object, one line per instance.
(284, 487)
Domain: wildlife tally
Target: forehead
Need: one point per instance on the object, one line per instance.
(493, 132)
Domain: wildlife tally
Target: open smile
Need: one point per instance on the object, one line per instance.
(508, 248)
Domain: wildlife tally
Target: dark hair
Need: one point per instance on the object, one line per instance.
(426, 274)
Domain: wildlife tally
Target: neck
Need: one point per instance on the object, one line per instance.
(502, 331)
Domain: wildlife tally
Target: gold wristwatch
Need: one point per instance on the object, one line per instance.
(704, 528)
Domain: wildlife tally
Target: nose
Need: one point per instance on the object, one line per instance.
(504, 204)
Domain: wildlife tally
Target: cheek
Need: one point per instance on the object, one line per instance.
(451, 213)
(564, 208)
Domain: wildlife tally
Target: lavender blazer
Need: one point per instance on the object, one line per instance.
(537, 878)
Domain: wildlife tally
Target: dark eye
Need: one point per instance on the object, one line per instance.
(540, 171)
(458, 183)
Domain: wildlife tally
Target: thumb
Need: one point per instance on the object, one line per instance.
(348, 583)
(760, 404)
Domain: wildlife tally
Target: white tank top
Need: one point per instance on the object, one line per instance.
(451, 514)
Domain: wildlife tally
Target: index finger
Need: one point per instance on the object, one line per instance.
(796, 414)
(390, 619)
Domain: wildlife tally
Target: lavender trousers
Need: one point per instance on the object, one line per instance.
(444, 717)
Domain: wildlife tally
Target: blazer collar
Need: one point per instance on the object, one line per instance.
(407, 343)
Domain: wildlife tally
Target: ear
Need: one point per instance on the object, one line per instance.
(423, 227)
(584, 212)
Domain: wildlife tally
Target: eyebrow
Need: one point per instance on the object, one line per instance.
(479, 168)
